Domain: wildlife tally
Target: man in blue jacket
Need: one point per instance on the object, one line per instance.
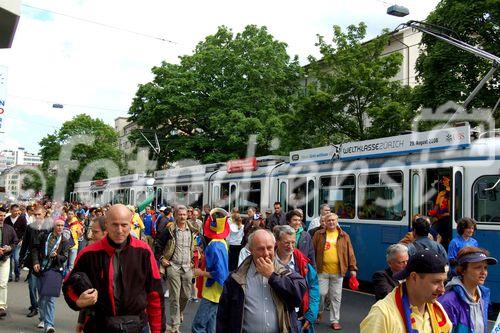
(261, 295)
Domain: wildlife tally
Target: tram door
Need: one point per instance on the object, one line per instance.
(432, 193)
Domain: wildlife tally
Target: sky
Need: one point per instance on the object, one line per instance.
(96, 68)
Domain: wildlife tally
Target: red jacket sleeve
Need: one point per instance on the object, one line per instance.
(155, 309)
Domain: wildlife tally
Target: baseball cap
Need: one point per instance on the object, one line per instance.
(162, 208)
(425, 261)
(476, 257)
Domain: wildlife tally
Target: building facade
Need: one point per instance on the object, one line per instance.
(124, 128)
(11, 158)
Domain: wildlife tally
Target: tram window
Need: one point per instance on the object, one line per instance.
(486, 199)
(249, 195)
(224, 196)
(195, 196)
(339, 192)
(181, 197)
(310, 198)
(117, 198)
(458, 196)
(128, 197)
(181, 188)
(159, 196)
(298, 190)
(283, 194)
(141, 196)
(381, 196)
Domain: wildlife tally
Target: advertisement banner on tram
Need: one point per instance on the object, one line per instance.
(457, 137)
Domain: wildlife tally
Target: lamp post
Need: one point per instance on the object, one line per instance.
(399, 11)
(435, 31)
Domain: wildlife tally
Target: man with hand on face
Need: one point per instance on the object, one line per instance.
(413, 305)
(127, 292)
(261, 295)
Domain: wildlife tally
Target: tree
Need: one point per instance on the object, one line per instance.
(350, 95)
(207, 106)
(105, 146)
(447, 73)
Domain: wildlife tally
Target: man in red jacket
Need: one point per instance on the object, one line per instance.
(127, 291)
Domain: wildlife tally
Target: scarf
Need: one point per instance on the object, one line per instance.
(439, 322)
(297, 236)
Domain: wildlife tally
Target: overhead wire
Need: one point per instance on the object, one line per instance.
(101, 24)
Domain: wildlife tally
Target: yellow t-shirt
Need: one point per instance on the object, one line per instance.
(331, 263)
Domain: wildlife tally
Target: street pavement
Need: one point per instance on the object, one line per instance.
(355, 306)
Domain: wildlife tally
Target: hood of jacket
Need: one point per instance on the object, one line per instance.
(457, 285)
(478, 310)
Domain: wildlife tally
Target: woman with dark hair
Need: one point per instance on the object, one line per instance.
(466, 298)
(465, 229)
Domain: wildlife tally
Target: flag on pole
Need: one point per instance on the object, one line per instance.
(142, 205)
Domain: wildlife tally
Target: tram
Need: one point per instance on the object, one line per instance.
(374, 186)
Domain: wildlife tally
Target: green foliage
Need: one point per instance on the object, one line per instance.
(207, 106)
(31, 180)
(351, 95)
(450, 74)
(105, 146)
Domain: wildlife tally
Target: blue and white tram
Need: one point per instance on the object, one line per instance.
(376, 194)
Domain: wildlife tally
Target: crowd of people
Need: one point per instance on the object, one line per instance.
(136, 271)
